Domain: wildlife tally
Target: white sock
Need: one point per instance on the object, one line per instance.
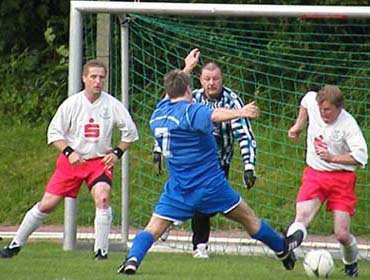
(297, 226)
(102, 222)
(350, 253)
(31, 221)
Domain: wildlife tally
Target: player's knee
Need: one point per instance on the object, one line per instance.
(101, 193)
(102, 201)
(156, 230)
(46, 206)
(343, 236)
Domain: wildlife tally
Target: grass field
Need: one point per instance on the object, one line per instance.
(47, 261)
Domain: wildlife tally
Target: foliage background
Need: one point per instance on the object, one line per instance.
(34, 54)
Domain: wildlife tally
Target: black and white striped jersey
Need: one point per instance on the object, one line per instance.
(226, 132)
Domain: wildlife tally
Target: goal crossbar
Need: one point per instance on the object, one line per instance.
(78, 8)
(199, 9)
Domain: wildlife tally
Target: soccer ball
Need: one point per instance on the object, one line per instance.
(318, 263)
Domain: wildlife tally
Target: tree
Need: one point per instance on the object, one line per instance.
(22, 23)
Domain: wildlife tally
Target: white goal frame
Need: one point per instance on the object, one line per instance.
(78, 8)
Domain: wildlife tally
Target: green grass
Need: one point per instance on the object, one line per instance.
(47, 261)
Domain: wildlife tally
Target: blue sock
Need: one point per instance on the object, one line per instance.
(141, 245)
(270, 237)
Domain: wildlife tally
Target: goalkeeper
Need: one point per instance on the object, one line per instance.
(215, 95)
(81, 130)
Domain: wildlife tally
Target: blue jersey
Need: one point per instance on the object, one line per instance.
(184, 130)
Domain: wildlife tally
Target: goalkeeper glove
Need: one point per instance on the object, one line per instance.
(157, 161)
(249, 178)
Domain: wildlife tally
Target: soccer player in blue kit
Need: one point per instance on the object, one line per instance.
(196, 183)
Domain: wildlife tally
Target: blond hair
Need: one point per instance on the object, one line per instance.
(331, 94)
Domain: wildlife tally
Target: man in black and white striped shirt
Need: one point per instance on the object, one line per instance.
(226, 132)
(215, 95)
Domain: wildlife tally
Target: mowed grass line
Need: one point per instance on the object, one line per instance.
(47, 261)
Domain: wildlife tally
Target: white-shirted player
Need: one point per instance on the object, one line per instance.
(335, 147)
(82, 130)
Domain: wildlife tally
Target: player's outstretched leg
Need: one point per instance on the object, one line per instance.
(165, 234)
(129, 266)
(288, 258)
(31, 221)
(262, 231)
(140, 246)
(278, 244)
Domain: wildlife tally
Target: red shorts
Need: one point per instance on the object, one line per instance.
(335, 187)
(67, 179)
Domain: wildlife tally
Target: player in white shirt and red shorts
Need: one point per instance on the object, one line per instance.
(82, 130)
(335, 147)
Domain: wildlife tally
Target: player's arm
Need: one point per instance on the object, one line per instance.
(346, 159)
(157, 158)
(191, 60)
(112, 157)
(57, 129)
(250, 111)
(295, 131)
(248, 149)
(129, 133)
(243, 132)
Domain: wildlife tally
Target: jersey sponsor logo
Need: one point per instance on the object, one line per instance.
(319, 142)
(336, 136)
(233, 95)
(105, 114)
(92, 130)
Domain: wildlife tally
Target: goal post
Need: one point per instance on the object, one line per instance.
(78, 8)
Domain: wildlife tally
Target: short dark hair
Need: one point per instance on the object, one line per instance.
(93, 63)
(176, 83)
(331, 94)
(210, 66)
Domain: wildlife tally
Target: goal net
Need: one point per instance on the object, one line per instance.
(272, 60)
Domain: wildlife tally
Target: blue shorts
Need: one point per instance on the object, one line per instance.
(178, 206)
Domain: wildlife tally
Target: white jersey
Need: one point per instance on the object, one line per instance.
(341, 137)
(87, 127)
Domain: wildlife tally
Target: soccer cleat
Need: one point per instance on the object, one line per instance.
(128, 267)
(294, 240)
(9, 252)
(288, 259)
(201, 252)
(165, 234)
(101, 255)
(287, 256)
(351, 270)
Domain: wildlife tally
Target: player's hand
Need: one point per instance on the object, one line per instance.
(249, 178)
(191, 61)
(250, 111)
(294, 132)
(157, 161)
(75, 159)
(109, 160)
